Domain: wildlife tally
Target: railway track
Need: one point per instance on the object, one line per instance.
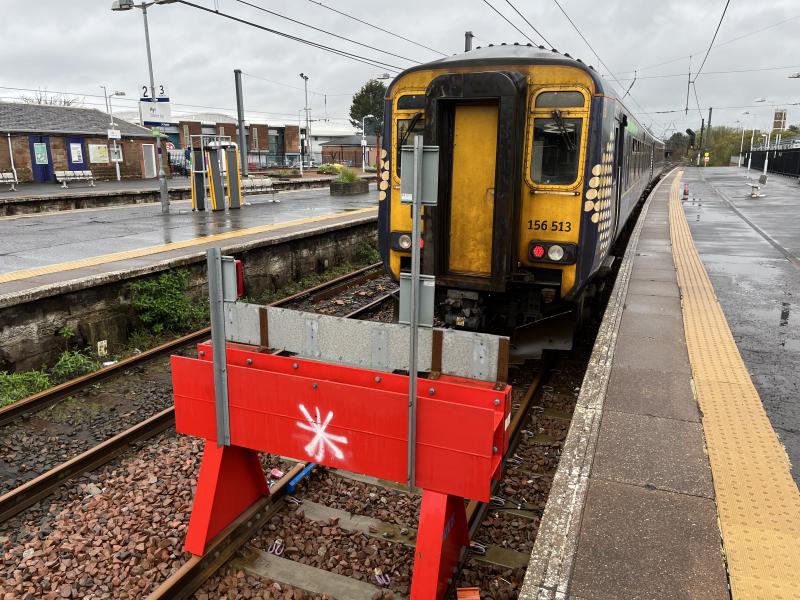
(253, 542)
(34, 489)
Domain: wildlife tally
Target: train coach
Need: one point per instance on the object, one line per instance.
(541, 167)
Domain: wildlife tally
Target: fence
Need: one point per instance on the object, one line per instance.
(785, 161)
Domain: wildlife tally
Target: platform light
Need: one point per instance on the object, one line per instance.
(555, 252)
(404, 241)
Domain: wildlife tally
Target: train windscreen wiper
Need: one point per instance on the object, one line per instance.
(562, 128)
(414, 120)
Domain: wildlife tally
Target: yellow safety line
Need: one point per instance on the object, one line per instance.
(139, 252)
(757, 499)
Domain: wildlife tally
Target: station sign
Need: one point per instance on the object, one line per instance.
(114, 134)
(154, 111)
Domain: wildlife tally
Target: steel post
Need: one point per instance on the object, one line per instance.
(162, 178)
(414, 304)
(237, 75)
(216, 301)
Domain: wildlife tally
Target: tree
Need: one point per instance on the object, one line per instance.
(42, 96)
(679, 143)
(369, 101)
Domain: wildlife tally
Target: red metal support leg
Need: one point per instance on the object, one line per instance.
(441, 536)
(231, 479)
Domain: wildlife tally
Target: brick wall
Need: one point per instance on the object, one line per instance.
(262, 131)
(22, 156)
(194, 128)
(291, 139)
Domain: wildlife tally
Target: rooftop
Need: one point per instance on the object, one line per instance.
(44, 118)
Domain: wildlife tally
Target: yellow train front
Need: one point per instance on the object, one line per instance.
(540, 169)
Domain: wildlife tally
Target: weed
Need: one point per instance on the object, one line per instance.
(73, 363)
(162, 304)
(366, 253)
(330, 169)
(15, 386)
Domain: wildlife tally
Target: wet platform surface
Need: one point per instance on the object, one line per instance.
(673, 482)
(33, 241)
(750, 249)
(29, 190)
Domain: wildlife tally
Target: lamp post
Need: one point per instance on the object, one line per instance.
(364, 151)
(741, 146)
(124, 5)
(299, 129)
(304, 77)
(111, 124)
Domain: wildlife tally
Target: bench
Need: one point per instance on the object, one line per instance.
(256, 185)
(9, 179)
(756, 185)
(65, 176)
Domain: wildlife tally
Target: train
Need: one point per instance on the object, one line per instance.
(540, 169)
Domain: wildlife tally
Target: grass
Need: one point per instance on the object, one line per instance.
(16, 386)
(157, 299)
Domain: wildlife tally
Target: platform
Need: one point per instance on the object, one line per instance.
(52, 248)
(672, 482)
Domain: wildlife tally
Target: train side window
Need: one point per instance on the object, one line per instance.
(556, 149)
(406, 130)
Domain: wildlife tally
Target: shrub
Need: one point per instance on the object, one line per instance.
(330, 169)
(73, 363)
(162, 305)
(16, 386)
(347, 176)
(366, 253)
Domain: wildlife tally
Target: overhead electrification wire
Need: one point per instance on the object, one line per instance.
(726, 42)
(729, 72)
(397, 35)
(486, 2)
(711, 45)
(119, 99)
(600, 60)
(325, 31)
(539, 33)
(292, 87)
(352, 56)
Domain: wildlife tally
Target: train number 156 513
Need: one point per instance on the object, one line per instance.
(545, 225)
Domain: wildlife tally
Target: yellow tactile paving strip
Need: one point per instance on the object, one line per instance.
(757, 499)
(102, 259)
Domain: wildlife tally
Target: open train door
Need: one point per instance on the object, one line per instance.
(477, 120)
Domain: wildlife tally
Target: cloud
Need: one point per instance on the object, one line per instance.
(77, 46)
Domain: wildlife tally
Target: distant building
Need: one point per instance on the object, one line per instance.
(348, 151)
(45, 139)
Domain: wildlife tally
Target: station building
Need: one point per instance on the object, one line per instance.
(44, 139)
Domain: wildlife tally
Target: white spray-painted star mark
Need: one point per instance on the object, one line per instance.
(322, 438)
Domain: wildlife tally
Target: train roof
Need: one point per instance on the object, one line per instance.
(509, 54)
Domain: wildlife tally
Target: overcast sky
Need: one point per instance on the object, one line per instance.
(76, 46)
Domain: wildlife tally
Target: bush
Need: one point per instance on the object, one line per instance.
(330, 169)
(347, 176)
(366, 253)
(73, 363)
(162, 304)
(16, 386)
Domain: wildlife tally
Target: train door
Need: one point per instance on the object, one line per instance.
(619, 170)
(477, 120)
(41, 158)
(472, 189)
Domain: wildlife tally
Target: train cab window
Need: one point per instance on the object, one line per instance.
(556, 148)
(406, 130)
(559, 100)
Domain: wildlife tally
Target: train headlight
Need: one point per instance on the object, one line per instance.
(555, 252)
(404, 241)
(537, 251)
